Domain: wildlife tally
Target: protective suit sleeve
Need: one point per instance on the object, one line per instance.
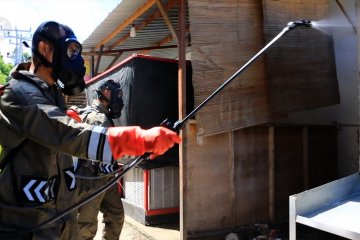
(135, 141)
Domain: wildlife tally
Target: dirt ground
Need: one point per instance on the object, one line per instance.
(133, 230)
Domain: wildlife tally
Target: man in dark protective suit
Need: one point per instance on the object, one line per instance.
(36, 133)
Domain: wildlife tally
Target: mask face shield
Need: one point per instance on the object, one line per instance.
(70, 66)
(67, 64)
(118, 93)
(73, 48)
(116, 103)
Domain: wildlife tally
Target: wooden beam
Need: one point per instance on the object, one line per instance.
(98, 60)
(182, 113)
(113, 61)
(271, 159)
(144, 23)
(92, 72)
(123, 39)
(167, 20)
(127, 22)
(162, 42)
(165, 40)
(117, 51)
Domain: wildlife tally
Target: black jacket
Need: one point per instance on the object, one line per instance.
(34, 130)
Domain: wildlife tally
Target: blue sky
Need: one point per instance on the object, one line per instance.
(83, 16)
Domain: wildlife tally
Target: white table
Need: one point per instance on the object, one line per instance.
(333, 207)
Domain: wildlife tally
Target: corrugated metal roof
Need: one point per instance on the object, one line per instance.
(154, 32)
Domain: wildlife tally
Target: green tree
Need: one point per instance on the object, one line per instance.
(5, 69)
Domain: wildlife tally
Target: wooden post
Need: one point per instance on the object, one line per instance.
(306, 157)
(182, 112)
(271, 173)
(232, 178)
(92, 68)
(98, 60)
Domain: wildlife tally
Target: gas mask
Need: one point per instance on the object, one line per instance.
(116, 103)
(67, 63)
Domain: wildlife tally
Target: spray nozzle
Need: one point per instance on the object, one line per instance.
(299, 23)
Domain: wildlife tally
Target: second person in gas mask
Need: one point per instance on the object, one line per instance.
(106, 106)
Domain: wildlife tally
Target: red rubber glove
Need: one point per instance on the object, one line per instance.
(158, 140)
(73, 114)
(135, 141)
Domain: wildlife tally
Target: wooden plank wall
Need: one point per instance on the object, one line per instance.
(238, 172)
(296, 73)
(288, 169)
(320, 138)
(251, 147)
(77, 100)
(224, 36)
(301, 69)
(245, 177)
(208, 182)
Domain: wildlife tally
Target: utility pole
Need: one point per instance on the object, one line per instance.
(17, 35)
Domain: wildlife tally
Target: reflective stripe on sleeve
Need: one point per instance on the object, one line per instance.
(94, 142)
(107, 154)
(99, 148)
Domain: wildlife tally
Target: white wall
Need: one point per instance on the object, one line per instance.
(346, 114)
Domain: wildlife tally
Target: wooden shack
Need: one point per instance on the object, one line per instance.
(238, 144)
(287, 123)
